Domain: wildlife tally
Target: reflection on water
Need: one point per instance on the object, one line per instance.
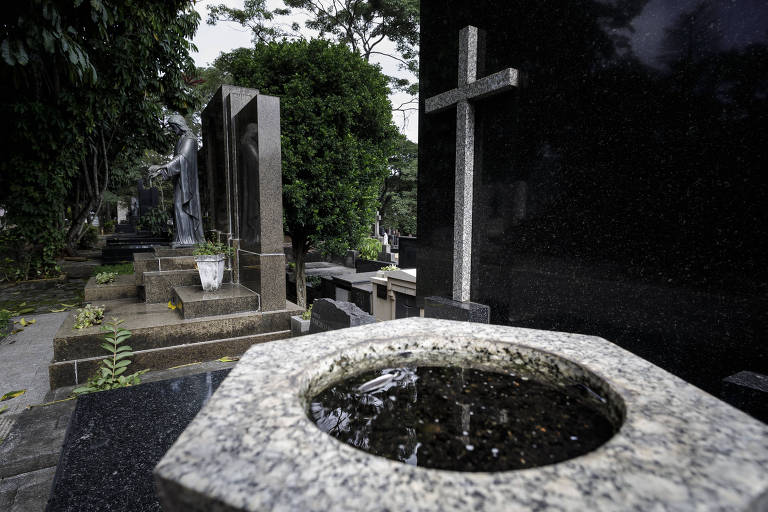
(462, 419)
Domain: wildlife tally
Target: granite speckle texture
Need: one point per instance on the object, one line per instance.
(115, 437)
(469, 88)
(252, 447)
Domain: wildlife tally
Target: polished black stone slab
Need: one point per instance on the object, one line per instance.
(115, 439)
(449, 309)
(620, 189)
(747, 391)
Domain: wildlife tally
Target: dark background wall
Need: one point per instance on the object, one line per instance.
(621, 191)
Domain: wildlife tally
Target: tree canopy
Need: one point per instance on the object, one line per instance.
(337, 134)
(363, 25)
(87, 84)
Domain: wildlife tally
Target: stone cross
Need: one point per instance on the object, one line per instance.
(469, 89)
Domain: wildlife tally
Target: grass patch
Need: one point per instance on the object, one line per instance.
(120, 268)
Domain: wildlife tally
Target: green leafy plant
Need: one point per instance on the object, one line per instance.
(90, 238)
(369, 248)
(210, 248)
(156, 222)
(314, 281)
(109, 375)
(389, 268)
(106, 277)
(291, 267)
(307, 314)
(109, 226)
(88, 316)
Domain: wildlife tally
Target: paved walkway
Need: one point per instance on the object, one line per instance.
(24, 360)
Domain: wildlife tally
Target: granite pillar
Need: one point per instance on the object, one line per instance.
(258, 199)
(216, 182)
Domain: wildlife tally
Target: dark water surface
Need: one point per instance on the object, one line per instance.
(462, 419)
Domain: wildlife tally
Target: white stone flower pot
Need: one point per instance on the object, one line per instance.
(211, 270)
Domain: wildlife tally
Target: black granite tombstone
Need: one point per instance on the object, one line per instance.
(619, 188)
(217, 183)
(329, 315)
(115, 439)
(148, 198)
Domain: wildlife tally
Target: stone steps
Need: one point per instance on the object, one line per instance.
(150, 262)
(156, 326)
(68, 373)
(192, 302)
(158, 285)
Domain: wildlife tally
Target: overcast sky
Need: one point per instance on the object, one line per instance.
(224, 37)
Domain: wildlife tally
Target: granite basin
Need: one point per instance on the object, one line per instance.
(252, 447)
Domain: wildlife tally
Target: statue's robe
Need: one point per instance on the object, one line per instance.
(186, 196)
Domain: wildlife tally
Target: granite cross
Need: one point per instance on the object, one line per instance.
(469, 89)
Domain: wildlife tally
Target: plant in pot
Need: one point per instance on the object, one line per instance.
(209, 259)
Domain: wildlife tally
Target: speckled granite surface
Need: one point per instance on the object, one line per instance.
(252, 446)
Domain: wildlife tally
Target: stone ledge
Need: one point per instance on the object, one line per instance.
(193, 302)
(252, 447)
(69, 373)
(123, 287)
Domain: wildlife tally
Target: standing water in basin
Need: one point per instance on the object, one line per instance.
(463, 419)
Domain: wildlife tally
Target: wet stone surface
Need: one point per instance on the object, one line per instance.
(463, 419)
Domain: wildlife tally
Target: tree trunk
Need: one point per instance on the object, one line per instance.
(299, 251)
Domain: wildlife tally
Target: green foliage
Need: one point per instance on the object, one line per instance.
(109, 226)
(21, 260)
(209, 248)
(6, 325)
(314, 281)
(109, 375)
(336, 132)
(389, 268)
(90, 238)
(369, 248)
(106, 277)
(307, 315)
(156, 222)
(362, 25)
(88, 316)
(85, 82)
(398, 195)
(118, 268)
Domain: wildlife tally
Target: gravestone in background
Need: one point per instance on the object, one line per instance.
(148, 198)
(329, 315)
(257, 223)
(216, 183)
(619, 189)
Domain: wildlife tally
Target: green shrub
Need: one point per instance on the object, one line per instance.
(90, 238)
(106, 277)
(314, 281)
(88, 316)
(109, 226)
(390, 268)
(109, 375)
(156, 222)
(21, 259)
(212, 248)
(307, 314)
(369, 248)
